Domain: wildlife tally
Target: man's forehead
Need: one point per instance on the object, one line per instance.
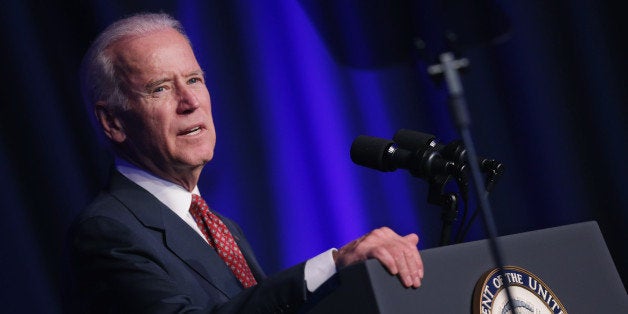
(152, 52)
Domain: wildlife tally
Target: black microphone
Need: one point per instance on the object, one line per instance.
(454, 151)
(384, 155)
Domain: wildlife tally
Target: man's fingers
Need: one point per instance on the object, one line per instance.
(406, 260)
(412, 238)
(405, 269)
(415, 266)
(413, 260)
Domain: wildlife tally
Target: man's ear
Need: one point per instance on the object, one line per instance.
(110, 122)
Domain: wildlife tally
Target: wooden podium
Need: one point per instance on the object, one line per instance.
(572, 260)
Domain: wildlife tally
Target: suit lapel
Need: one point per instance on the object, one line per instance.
(182, 240)
(195, 252)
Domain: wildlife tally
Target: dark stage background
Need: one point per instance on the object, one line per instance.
(292, 84)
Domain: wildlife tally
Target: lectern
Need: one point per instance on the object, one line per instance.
(572, 260)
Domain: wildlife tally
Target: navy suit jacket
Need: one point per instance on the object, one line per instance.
(132, 254)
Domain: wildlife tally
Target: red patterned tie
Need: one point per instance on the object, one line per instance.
(219, 237)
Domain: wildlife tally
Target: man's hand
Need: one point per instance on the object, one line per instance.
(398, 254)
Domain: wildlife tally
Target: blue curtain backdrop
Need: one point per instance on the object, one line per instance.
(292, 84)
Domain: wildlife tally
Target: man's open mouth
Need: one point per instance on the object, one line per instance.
(193, 131)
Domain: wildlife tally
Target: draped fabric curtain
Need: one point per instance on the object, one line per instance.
(292, 84)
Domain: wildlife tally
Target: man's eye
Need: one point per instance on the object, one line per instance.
(194, 80)
(159, 89)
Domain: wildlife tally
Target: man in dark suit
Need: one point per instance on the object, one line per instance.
(149, 243)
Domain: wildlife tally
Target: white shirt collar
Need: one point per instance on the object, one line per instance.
(170, 194)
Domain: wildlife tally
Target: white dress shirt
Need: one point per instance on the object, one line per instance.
(317, 269)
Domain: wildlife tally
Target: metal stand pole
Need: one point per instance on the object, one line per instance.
(449, 67)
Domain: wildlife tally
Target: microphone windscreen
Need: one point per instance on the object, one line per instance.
(370, 152)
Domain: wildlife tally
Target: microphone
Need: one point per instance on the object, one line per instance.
(384, 155)
(454, 151)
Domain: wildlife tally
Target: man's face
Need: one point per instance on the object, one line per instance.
(168, 127)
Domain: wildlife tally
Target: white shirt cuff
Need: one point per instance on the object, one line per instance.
(319, 268)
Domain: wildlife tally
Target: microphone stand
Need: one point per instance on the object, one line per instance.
(449, 67)
(448, 203)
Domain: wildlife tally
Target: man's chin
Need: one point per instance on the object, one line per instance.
(198, 161)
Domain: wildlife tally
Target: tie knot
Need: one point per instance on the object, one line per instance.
(198, 204)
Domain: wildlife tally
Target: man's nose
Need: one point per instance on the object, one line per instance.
(188, 102)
